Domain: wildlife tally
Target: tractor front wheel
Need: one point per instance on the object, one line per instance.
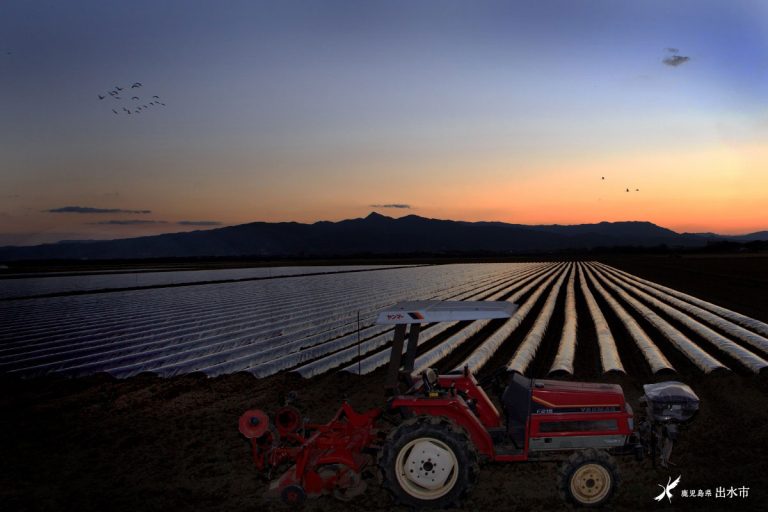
(589, 478)
(428, 462)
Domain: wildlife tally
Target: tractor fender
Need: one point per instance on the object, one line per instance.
(456, 412)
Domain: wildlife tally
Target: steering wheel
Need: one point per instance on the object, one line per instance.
(497, 380)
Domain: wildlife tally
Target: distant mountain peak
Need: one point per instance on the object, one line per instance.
(377, 216)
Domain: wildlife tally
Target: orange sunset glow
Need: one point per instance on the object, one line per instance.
(298, 116)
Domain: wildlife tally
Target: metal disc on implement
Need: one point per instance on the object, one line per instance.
(288, 420)
(253, 423)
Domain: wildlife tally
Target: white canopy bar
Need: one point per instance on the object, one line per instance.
(429, 311)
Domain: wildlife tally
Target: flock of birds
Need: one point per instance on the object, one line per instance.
(117, 94)
(636, 190)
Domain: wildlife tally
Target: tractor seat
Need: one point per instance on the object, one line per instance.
(516, 401)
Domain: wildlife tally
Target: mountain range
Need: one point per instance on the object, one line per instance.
(374, 234)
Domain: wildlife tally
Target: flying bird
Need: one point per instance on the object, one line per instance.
(101, 97)
(135, 85)
(113, 93)
(637, 190)
(135, 98)
(627, 190)
(603, 177)
(670, 485)
(115, 111)
(119, 88)
(158, 97)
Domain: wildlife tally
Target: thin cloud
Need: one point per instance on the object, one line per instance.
(676, 60)
(128, 222)
(88, 209)
(393, 205)
(199, 223)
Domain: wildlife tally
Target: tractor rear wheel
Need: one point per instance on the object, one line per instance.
(428, 462)
(589, 478)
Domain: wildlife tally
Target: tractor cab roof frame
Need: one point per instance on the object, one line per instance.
(415, 313)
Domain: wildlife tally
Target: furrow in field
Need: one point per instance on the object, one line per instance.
(290, 361)
(527, 349)
(730, 328)
(566, 350)
(165, 345)
(704, 361)
(653, 356)
(488, 347)
(744, 356)
(373, 362)
(743, 320)
(243, 357)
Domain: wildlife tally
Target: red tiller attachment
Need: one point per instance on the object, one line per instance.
(324, 458)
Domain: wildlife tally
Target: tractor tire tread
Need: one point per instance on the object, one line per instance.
(580, 458)
(430, 425)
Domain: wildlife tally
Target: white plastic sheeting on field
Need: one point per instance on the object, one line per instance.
(566, 349)
(692, 351)
(527, 350)
(186, 329)
(650, 351)
(379, 359)
(727, 326)
(743, 320)
(448, 346)
(744, 356)
(21, 286)
(336, 359)
(488, 348)
(309, 324)
(609, 355)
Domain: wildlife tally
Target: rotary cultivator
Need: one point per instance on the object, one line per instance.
(324, 458)
(428, 441)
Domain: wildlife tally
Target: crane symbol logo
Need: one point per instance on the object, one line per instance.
(670, 485)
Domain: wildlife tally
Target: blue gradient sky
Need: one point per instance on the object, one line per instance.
(316, 110)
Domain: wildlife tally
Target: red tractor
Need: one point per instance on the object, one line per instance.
(429, 440)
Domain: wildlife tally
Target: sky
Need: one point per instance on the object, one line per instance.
(542, 112)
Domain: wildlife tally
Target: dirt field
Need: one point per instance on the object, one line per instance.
(159, 444)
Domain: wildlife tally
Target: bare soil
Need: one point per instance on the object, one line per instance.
(148, 443)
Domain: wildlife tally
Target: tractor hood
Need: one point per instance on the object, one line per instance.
(581, 396)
